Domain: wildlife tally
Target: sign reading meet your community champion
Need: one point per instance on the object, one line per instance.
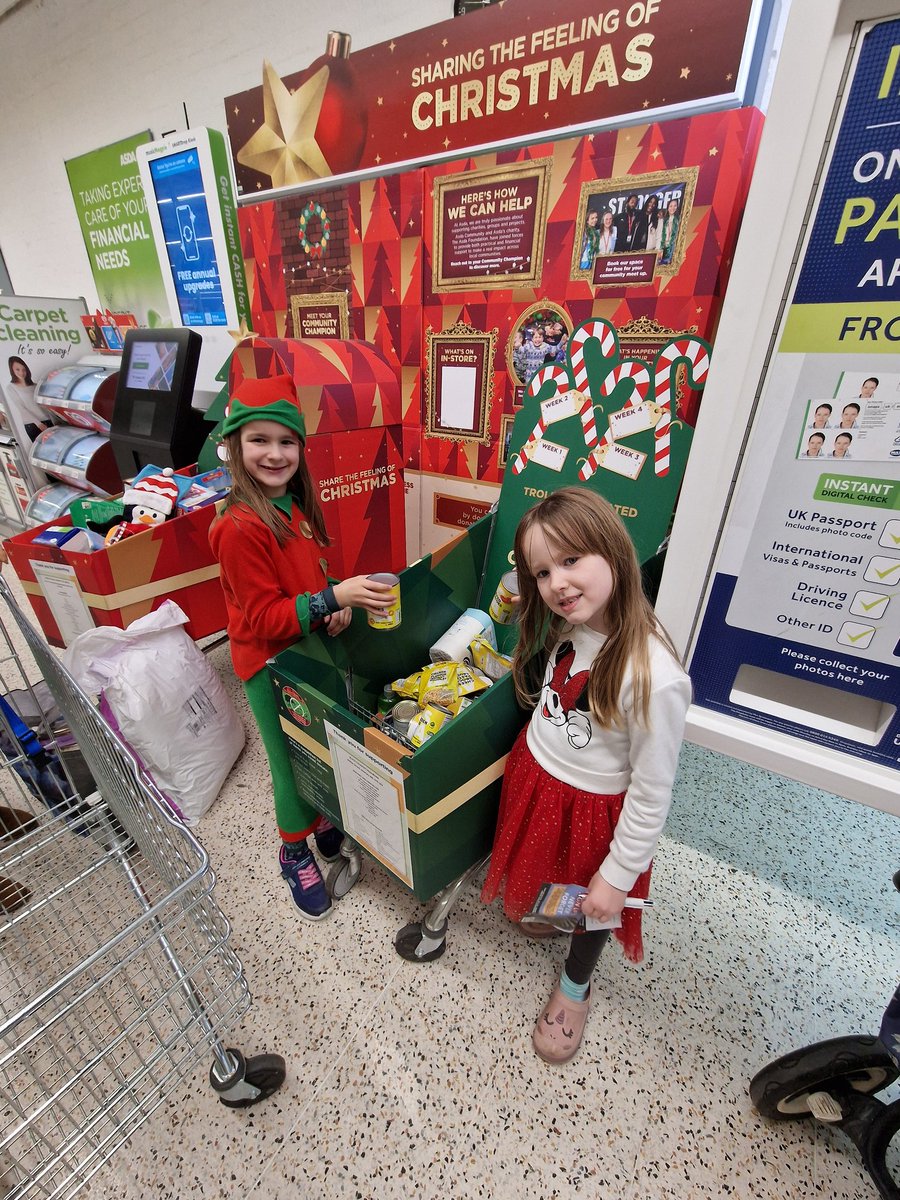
(112, 212)
(813, 590)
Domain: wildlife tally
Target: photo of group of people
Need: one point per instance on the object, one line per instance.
(641, 214)
(541, 338)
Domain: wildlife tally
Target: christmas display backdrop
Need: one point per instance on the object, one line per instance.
(385, 262)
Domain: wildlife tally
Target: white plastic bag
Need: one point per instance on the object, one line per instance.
(169, 702)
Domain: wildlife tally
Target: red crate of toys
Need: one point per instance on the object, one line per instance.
(72, 589)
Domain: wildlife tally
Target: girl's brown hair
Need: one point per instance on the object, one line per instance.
(245, 490)
(580, 522)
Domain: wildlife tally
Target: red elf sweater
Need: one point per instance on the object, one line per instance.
(267, 587)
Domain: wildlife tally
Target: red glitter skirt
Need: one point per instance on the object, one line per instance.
(551, 832)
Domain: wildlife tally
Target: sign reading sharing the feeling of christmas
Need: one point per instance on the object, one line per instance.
(511, 71)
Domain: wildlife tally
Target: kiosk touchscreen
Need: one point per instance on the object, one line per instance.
(153, 422)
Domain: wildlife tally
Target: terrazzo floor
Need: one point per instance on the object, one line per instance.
(775, 925)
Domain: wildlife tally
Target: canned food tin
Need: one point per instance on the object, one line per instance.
(401, 715)
(390, 618)
(502, 609)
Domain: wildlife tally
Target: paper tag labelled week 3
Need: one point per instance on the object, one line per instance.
(628, 421)
(621, 460)
(560, 408)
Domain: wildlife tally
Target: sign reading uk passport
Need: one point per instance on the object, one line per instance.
(513, 72)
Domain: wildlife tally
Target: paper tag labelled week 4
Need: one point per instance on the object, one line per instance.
(621, 460)
(628, 421)
(560, 408)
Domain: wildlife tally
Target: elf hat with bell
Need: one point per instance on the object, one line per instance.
(273, 399)
(158, 492)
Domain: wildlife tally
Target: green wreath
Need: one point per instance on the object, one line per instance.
(314, 249)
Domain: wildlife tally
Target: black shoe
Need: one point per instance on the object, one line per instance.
(328, 840)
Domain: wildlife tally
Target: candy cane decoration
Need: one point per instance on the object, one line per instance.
(640, 375)
(694, 353)
(537, 381)
(599, 331)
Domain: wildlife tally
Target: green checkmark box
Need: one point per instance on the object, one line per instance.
(883, 570)
(870, 604)
(852, 634)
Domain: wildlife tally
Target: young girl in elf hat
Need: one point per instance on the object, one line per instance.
(269, 541)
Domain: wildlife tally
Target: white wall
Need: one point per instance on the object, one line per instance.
(79, 74)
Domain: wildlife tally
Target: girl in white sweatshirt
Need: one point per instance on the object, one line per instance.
(588, 784)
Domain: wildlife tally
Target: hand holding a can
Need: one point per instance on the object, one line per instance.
(364, 591)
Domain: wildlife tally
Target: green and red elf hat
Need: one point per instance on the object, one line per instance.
(273, 399)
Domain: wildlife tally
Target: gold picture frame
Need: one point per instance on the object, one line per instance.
(459, 380)
(525, 318)
(473, 196)
(506, 427)
(679, 180)
(643, 338)
(303, 308)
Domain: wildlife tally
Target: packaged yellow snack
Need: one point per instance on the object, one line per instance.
(491, 662)
(409, 686)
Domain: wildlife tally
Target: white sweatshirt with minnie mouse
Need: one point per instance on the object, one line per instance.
(634, 758)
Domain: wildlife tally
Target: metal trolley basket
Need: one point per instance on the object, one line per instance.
(116, 978)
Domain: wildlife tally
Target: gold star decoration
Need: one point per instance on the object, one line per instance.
(446, 143)
(685, 71)
(646, 104)
(392, 46)
(380, 101)
(444, 42)
(713, 152)
(236, 110)
(285, 147)
(242, 332)
(655, 153)
(729, 77)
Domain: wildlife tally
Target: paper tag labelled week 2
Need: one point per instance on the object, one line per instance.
(561, 407)
(628, 421)
(621, 460)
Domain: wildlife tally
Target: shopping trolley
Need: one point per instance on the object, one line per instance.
(116, 978)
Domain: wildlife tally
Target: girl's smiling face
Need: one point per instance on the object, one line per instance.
(271, 455)
(577, 587)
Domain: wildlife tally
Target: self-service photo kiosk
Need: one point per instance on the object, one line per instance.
(153, 419)
(193, 217)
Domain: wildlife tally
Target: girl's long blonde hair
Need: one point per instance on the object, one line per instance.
(579, 521)
(245, 490)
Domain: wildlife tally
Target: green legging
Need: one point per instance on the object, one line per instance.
(295, 817)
